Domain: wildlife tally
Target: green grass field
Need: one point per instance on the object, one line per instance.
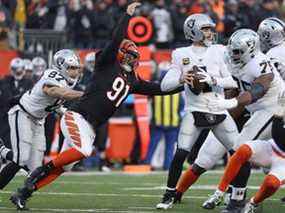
(118, 192)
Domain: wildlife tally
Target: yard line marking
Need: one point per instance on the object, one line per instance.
(96, 194)
(78, 210)
(91, 183)
(97, 173)
(197, 187)
(114, 195)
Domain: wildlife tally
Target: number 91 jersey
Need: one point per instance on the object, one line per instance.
(255, 68)
(39, 104)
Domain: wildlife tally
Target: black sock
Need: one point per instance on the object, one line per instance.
(6, 153)
(240, 182)
(176, 167)
(7, 173)
(38, 174)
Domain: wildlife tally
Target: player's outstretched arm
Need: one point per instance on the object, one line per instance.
(152, 88)
(109, 52)
(62, 93)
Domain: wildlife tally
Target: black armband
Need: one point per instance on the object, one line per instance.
(257, 91)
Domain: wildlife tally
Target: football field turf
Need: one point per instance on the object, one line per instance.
(119, 192)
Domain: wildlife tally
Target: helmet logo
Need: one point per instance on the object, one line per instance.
(60, 61)
(265, 34)
(191, 23)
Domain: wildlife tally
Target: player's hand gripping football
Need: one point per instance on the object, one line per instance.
(132, 8)
(206, 78)
(186, 78)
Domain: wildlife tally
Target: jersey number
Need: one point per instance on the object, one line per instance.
(119, 91)
(264, 66)
(57, 76)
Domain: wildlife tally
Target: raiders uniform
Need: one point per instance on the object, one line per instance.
(183, 60)
(109, 87)
(277, 56)
(262, 111)
(26, 120)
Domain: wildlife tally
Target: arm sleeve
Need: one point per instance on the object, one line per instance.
(109, 52)
(152, 88)
(171, 79)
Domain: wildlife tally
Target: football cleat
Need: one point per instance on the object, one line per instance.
(250, 207)
(214, 200)
(19, 201)
(234, 207)
(167, 200)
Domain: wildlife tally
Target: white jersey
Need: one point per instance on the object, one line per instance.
(36, 102)
(277, 54)
(255, 68)
(211, 60)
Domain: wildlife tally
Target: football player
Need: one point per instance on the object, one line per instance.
(272, 37)
(266, 153)
(260, 85)
(114, 78)
(39, 66)
(214, 74)
(28, 66)
(26, 119)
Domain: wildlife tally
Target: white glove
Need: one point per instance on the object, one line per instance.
(61, 110)
(206, 78)
(221, 104)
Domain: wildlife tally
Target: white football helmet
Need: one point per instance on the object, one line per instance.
(28, 65)
(64, 60)
(39, 66)
(89, 61)
(242, 46)
(193, 28)
(17, 68)
(271, 32)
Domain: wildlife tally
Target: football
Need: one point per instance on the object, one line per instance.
(197, 87)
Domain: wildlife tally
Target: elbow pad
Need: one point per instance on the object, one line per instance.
(257, 91)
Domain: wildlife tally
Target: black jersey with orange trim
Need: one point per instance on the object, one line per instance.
(110, 84)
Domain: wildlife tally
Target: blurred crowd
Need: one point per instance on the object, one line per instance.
(89, 23)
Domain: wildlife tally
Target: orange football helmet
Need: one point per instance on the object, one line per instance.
(128, 55)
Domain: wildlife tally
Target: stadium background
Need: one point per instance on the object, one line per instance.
(30, 28)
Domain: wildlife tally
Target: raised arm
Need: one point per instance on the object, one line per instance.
(109, 52)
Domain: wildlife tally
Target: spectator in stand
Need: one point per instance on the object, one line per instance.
(162, 24)
(56, 17)
(11, 88)
(6, 23)
(179, 15)
(268, 8)
(249, 9)
(119, 9)
(80, 21)
(37, 11)
(233, 18)
(165, 121)
(103, 24)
